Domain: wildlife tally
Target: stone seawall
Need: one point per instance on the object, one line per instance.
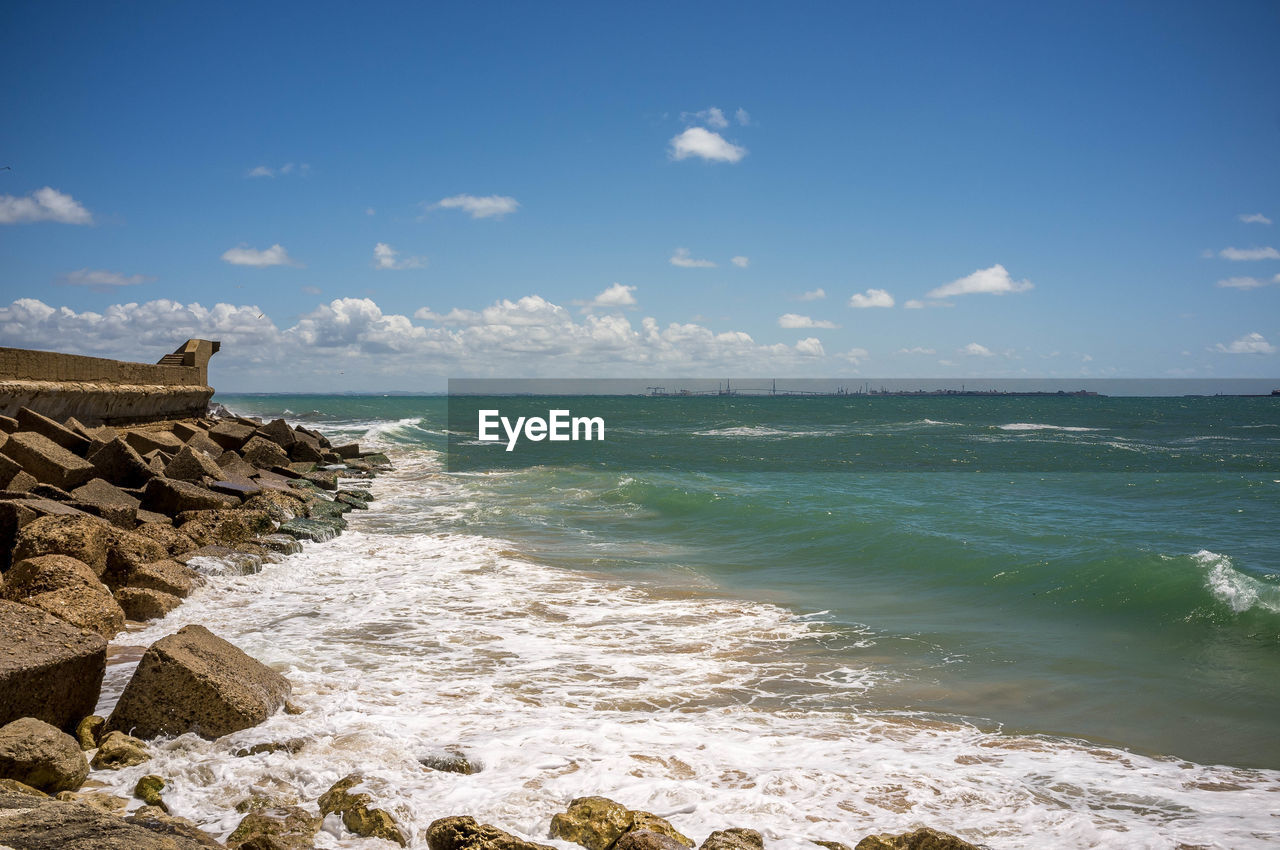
(97, 390)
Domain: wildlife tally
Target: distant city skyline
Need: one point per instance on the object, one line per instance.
(383, 197)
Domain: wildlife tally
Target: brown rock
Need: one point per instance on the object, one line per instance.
(277, 828)
(464, 833)
(184, 431)
(921, 839)
(29, 420)
(357, 811)
(594, 822)
(21, 483)
(119, 750)
(647, 839)
(13, 516)
(89, 732)
(278, 432)
(100, 800)
(82, 537)
(37, 754)
(104, 499)
(33, 823)
(304, 451)
(47, 461)
(166, 576)
(141, 603)
(83, 607)
(145, 442)
(159, 822)
(734, 838)
(235, 468)
(208, 528)
(259, 452)
(173, 541)
(8, 467)
(148, 788)
(231, 435)
(119, 463)
(126, 551)
(48, 669)
(350, 450)
(192, 466)
(8, 424)
(44, 573)
(194, 681)
(13, 786)
(174, 497)
(153, 518)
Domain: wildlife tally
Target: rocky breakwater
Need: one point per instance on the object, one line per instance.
(103, 526)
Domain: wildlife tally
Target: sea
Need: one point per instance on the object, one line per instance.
(1033, 622)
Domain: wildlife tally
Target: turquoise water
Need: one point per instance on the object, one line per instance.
(1138, 606)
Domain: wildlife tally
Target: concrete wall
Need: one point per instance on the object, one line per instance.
(96, 390)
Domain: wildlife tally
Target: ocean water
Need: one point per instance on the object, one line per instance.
(1040, 654)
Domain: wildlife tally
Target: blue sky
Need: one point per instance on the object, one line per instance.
(1040, 190)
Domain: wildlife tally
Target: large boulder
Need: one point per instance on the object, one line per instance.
(84, 607)
(44, 573)
(37, 754)
(647, 839)
(231, 435)
(118, 750)
(194, 681)
(192, 466)
(104, 499)
(29, 420)
(598, 822)
(120, 463)
(13, 516)
(166, 576)
(80, 536)
(208, 528)
(127, 551)
(38, 823)
(262, 453)
(158, 821)
(279, 432)
(464, 833)
(734, 838)
(358, 812)
(174, 497)
(920, 839)
(49, 669)
(173, 541)
(49, 462)
(147, 441)
(141, 604)
(277, 828)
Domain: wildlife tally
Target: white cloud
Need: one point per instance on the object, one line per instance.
(1254, 343)
(743, 117)
(101, 281)
(1249, 254)
(740, 261)
(682, 259)
(702, 143)
(973, 349)
(47, 204)
(712, 117)
(1247, 282)
(914, 304)
(261, 171)
(992, 281)
(1254, 218)
(856, 355)
(810, 347)
(386, 258)
(276, 255)
(871, 298)
(813, 295)
(917, 350)
(795, 320)
(301, 168)
(618, 295)
(488, 206)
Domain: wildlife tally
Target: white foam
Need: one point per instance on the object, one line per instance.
(761, 431)
(1240, 592)
(1038, 426)
(721, 712)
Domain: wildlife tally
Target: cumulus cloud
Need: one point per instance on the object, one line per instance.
(47, 204)
(488, 206)
(712, 117)
(276, 255)
(973, 349)
(617, 295)
(795, 320)
(871, 298)
(1254, 218)
(1247, 282)
(810, 347)
(682, 259)
(1254, 343)
(387, 258)
(812, 295)
(914, 304)
(917, 350)
(992, 281)
(704, 144)
(102, 281)
(1249, 254)
(740, 261)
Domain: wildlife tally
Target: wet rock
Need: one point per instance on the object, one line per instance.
(597, 822)
(280, 505)
(314, 530)
(37, 754)
(194, 681)
(275, 828)
(223, 560)
(47, 461)
(207, 528)
(32, 823)
(647, 839)
(159, 822)
(358, 499)
(82, 537)
(141, 604)
(119, 750)
(192, 466)
(166, 576)
(920, 839)
(120, 464)
(464, 833)
(355, 806)
(281, 543)
(49, 669)
(174, 497)
(325, 480)
(451, 761)
(89, 732)
(102, 801)
(148, 791)
(263, 453)
(733, 838)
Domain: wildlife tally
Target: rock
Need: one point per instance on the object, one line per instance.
(280, 505)
(159, 822)
(141, 604)
(145, 442)
(119, 750)
(125, 552)
(13, 786)
(148, 791)
(119, 463)
(39, 755)
(100, 800)
(167, 577)
(282, 543)
(81, 537)
(49, 669)
(647, 839)
(89, 732)
(259, 452)
(44, 573)
(357, 499)
(597, 822)
(451, 761)
(175, 497)
(921, 839)
(202, 443)
(350, 450)
(29, 420)
(33, 823)
(8, 467)
(8, 424)
(357, 811)
(192, 466)
(279, 432)
(47, 461)
(194, 681)
(275, 828)
(222, 560)
(48, 491)
(13, 516)
(207, 528)
(293, 745)
(184, 431)
(734, 838)
(173, 541)
(242, 490)
(314, 530)
(304, 451)
(464, 833)
(325, 480)
(231, 435)
(235, 468)
(84, 607)
(104, 499)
